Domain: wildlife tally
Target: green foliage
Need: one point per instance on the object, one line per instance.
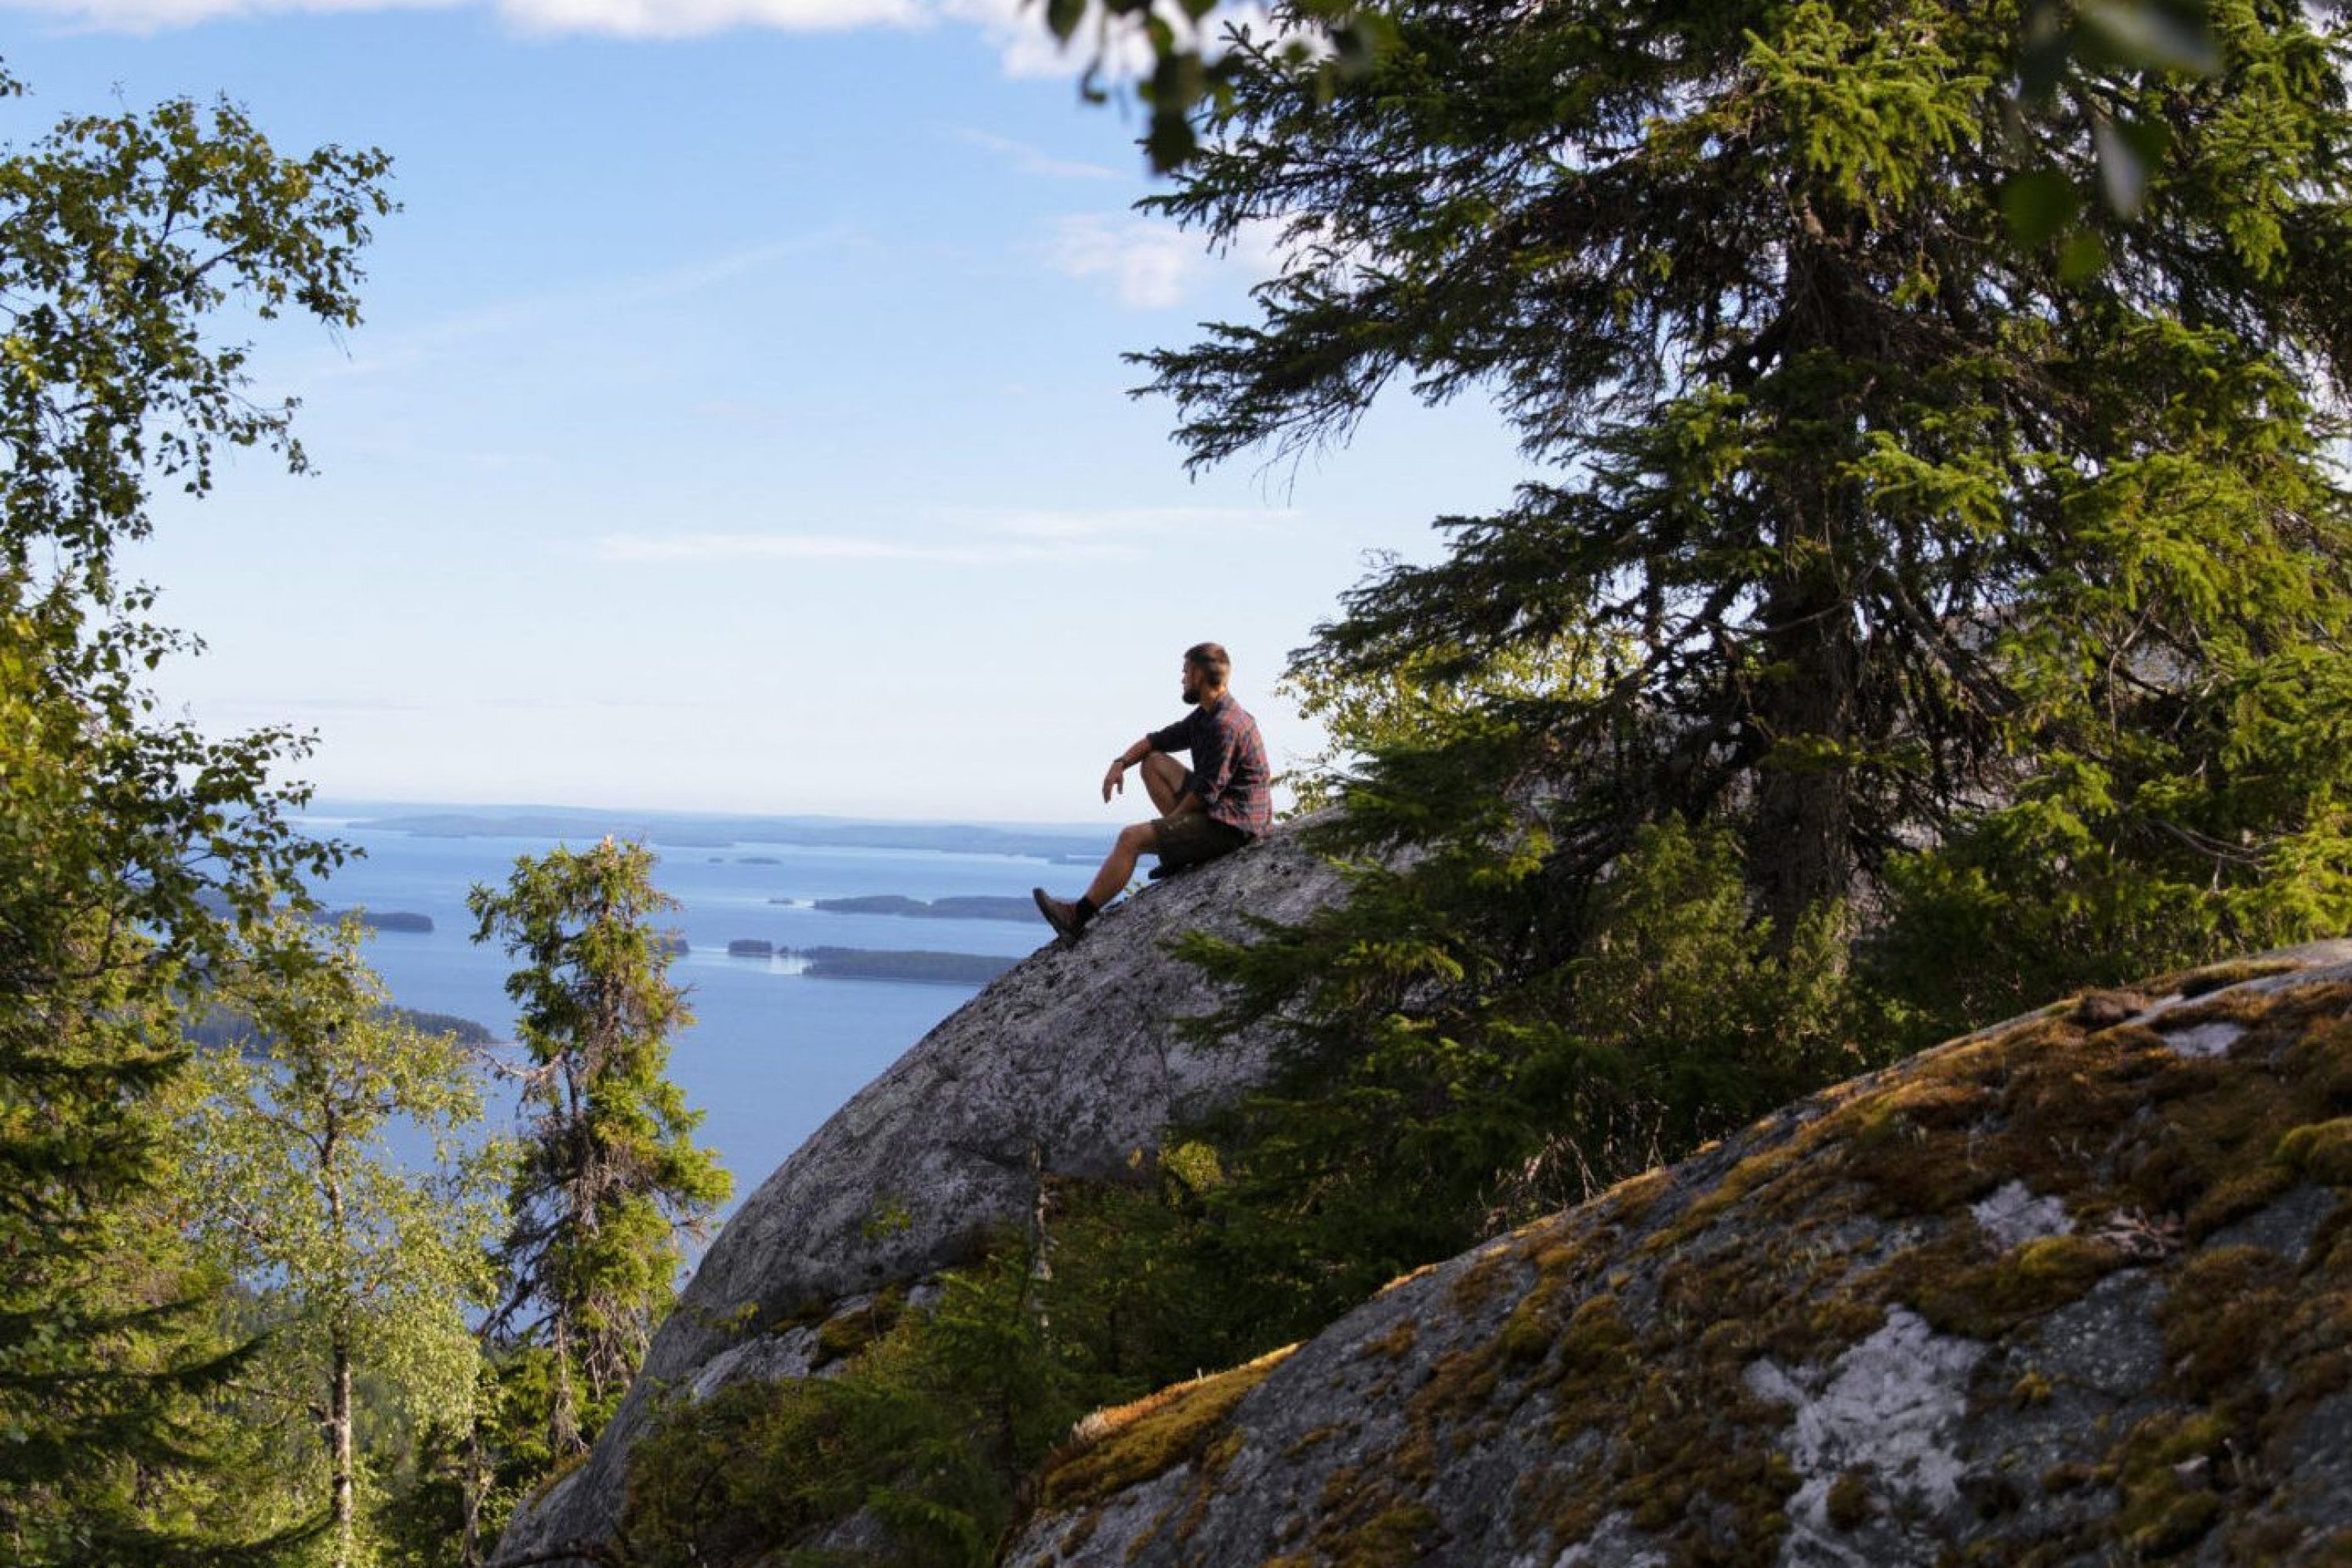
(124, 240)
(362, 1268)
(1451, 1074)
(927, 1436)
(610, 1179)
(1964, 584)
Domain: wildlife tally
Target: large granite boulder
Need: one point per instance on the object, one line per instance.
(2074, 1289)
(1065, 1067)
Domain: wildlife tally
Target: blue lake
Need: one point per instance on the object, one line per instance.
(772, 1052)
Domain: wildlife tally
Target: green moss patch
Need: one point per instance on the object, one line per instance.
(2320, 1152)
(1136, 1443)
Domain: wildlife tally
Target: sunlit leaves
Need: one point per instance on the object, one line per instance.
(129, 843)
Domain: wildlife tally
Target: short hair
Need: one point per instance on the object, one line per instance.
(1210, 660)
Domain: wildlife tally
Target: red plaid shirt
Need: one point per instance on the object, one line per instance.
(1229, 771)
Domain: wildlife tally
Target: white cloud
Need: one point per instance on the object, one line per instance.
(692, 18)
(1149, 263)
(1015, 27)
(624, 19)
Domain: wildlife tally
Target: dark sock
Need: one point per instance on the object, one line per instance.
(1086, 911)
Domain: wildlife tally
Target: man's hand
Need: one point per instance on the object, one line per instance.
(1115, 781)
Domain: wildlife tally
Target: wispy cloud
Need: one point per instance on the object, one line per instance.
(637, 549)
(1127, 523)
(1030, 160)
(973, 537)
(608, 298)
(1146, 266)
(1150, 264)
(689, 18)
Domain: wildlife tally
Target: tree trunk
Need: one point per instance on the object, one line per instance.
(346, 1467)
(563, 1419)
(469, 1546)
(1804, 708)
(1801, 854)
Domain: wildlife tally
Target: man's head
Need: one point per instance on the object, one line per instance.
(1205, 669)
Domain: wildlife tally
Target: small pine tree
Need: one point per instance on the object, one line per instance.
(609, 1182)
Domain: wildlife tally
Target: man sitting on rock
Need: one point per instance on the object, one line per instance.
(1220, 804)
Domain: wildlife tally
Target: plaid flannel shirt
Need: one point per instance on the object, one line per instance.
(1229, 771)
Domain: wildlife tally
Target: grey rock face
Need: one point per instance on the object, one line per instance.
(1065, 1067)
(2076, 1289)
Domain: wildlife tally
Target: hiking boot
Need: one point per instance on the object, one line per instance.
(1060, 913)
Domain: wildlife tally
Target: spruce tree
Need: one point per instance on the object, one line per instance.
(610, 1181)
(2002, 579)
(1934, 591)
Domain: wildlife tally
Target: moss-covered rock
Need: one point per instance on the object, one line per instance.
(2077, 1288)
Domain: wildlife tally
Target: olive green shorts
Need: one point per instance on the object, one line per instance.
(1191, 837)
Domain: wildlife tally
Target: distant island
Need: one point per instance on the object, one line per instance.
(689, 830)
(220, 1026)
(879, 963)
(931, 968)
(967, 907)
(375, 920)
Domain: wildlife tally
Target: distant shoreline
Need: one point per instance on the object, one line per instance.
(1050, 842)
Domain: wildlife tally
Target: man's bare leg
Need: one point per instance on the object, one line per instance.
(1163, 776)
(1118, 866)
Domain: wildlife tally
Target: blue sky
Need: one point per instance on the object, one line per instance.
(738, 423)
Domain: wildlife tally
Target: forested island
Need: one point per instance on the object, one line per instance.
(880, 963)
(386, 919)
(931, 968)
(966, 906)
(220, 1026)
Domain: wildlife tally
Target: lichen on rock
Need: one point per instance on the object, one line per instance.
(2056, 1292)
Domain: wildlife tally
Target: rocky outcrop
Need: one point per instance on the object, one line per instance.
(1064, 1068)
(2074, 1290)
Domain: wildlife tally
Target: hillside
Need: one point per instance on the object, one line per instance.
(2075, 1289)
(1066, 1068)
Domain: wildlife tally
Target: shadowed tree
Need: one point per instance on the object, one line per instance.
(1889, 530)
(1937, 593)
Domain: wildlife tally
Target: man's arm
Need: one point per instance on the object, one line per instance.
(1115, 781)
(1175, 735)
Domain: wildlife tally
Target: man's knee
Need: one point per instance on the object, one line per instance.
(1137, 837)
